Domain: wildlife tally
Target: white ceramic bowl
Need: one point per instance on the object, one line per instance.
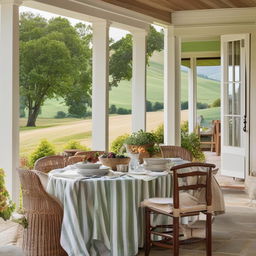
(90, 172)
(82, 165)
(156, 161)
(155, 167)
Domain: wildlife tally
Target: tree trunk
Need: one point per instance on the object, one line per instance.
(32, 116)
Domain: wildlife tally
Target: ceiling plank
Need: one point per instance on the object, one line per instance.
(142, 8)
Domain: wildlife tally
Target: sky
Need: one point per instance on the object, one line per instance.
(114, 33)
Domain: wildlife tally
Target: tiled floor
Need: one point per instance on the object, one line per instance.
(234, 233)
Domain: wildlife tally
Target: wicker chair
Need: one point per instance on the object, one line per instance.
(44, 215)
(48, 163)
(175, 151)
(75, 159)
(90, 154)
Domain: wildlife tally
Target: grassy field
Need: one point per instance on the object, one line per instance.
(207, 90)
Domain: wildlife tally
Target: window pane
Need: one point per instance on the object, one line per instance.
(230, 62)
(237, 98)
(237, 64)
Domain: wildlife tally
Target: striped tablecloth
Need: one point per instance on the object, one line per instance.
(104, 211)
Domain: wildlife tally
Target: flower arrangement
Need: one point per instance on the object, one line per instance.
(6, 205)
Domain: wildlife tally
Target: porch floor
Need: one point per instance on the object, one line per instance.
(234, 233)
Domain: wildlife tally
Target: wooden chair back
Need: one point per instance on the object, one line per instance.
(175, 151)
(48, 163)
(198, 171)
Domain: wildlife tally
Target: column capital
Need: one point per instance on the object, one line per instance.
(13, 2)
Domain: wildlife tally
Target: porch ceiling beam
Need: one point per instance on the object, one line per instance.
(87, 11)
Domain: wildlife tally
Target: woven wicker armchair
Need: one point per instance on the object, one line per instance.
(44, 215)
(75, 159)
(48, 163)
(175, 151)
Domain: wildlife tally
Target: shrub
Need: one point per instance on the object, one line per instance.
(45, 148)
(216, 103)
(6, 205)
(117, 146)
(159, 133)
(112, 109)
(60, 114)
(123, 111)
(191, 142)
(157, 106)
(201, 105)
(73, 144)
(184, 105)
(141, 138)
(149, 106)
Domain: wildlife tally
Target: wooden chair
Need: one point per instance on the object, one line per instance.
(48, 163)
(94, 155)
(181, 205)
(75, 159)
(176, 151)
(44, 215)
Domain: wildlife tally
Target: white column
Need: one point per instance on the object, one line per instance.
(100, 85)
(139, 80)
(9, 94)
(171, 88)
(192, 96)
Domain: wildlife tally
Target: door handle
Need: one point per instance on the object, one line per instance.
(245, 123)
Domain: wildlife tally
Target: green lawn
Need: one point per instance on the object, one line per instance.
(208, 90)
(209, 114)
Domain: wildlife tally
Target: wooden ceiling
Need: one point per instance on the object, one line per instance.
(162, 9)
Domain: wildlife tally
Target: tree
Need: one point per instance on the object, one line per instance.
(51, 60)
(120, 63)
(216, 103)
(112, 109)
(149, 106)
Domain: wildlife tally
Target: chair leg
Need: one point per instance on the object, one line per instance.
(176, 223)
(147, 232)
(209, 234)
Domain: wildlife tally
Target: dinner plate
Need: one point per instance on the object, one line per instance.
(161, 200)
(156, 161)
(138, 172)
(91, 172)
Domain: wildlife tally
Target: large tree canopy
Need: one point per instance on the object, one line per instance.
(54, 62)
(120, 65)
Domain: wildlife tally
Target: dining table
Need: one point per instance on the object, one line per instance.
(103, 215)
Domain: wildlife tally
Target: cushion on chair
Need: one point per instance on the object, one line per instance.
(188, 203)
(43, 178)
(11, 250)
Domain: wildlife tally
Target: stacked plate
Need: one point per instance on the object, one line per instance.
(90, 169)
(156, 164)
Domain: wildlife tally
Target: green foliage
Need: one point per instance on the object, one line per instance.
(123, 111)
(45, 148)
(192, 143)
(112, 109)
(120, 63)
(6, 205)
(158, 106)
(73, 144)
(184, 127)
(159, 133)
(141, 138)
(117, 146)
(60, 114)
(55, 61)
(216, 103)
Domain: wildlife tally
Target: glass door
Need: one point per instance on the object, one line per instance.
(235, 74)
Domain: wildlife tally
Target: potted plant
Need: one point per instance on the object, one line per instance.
(112, 160)
(142, 143)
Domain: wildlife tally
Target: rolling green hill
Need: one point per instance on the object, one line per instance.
(207, 90)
